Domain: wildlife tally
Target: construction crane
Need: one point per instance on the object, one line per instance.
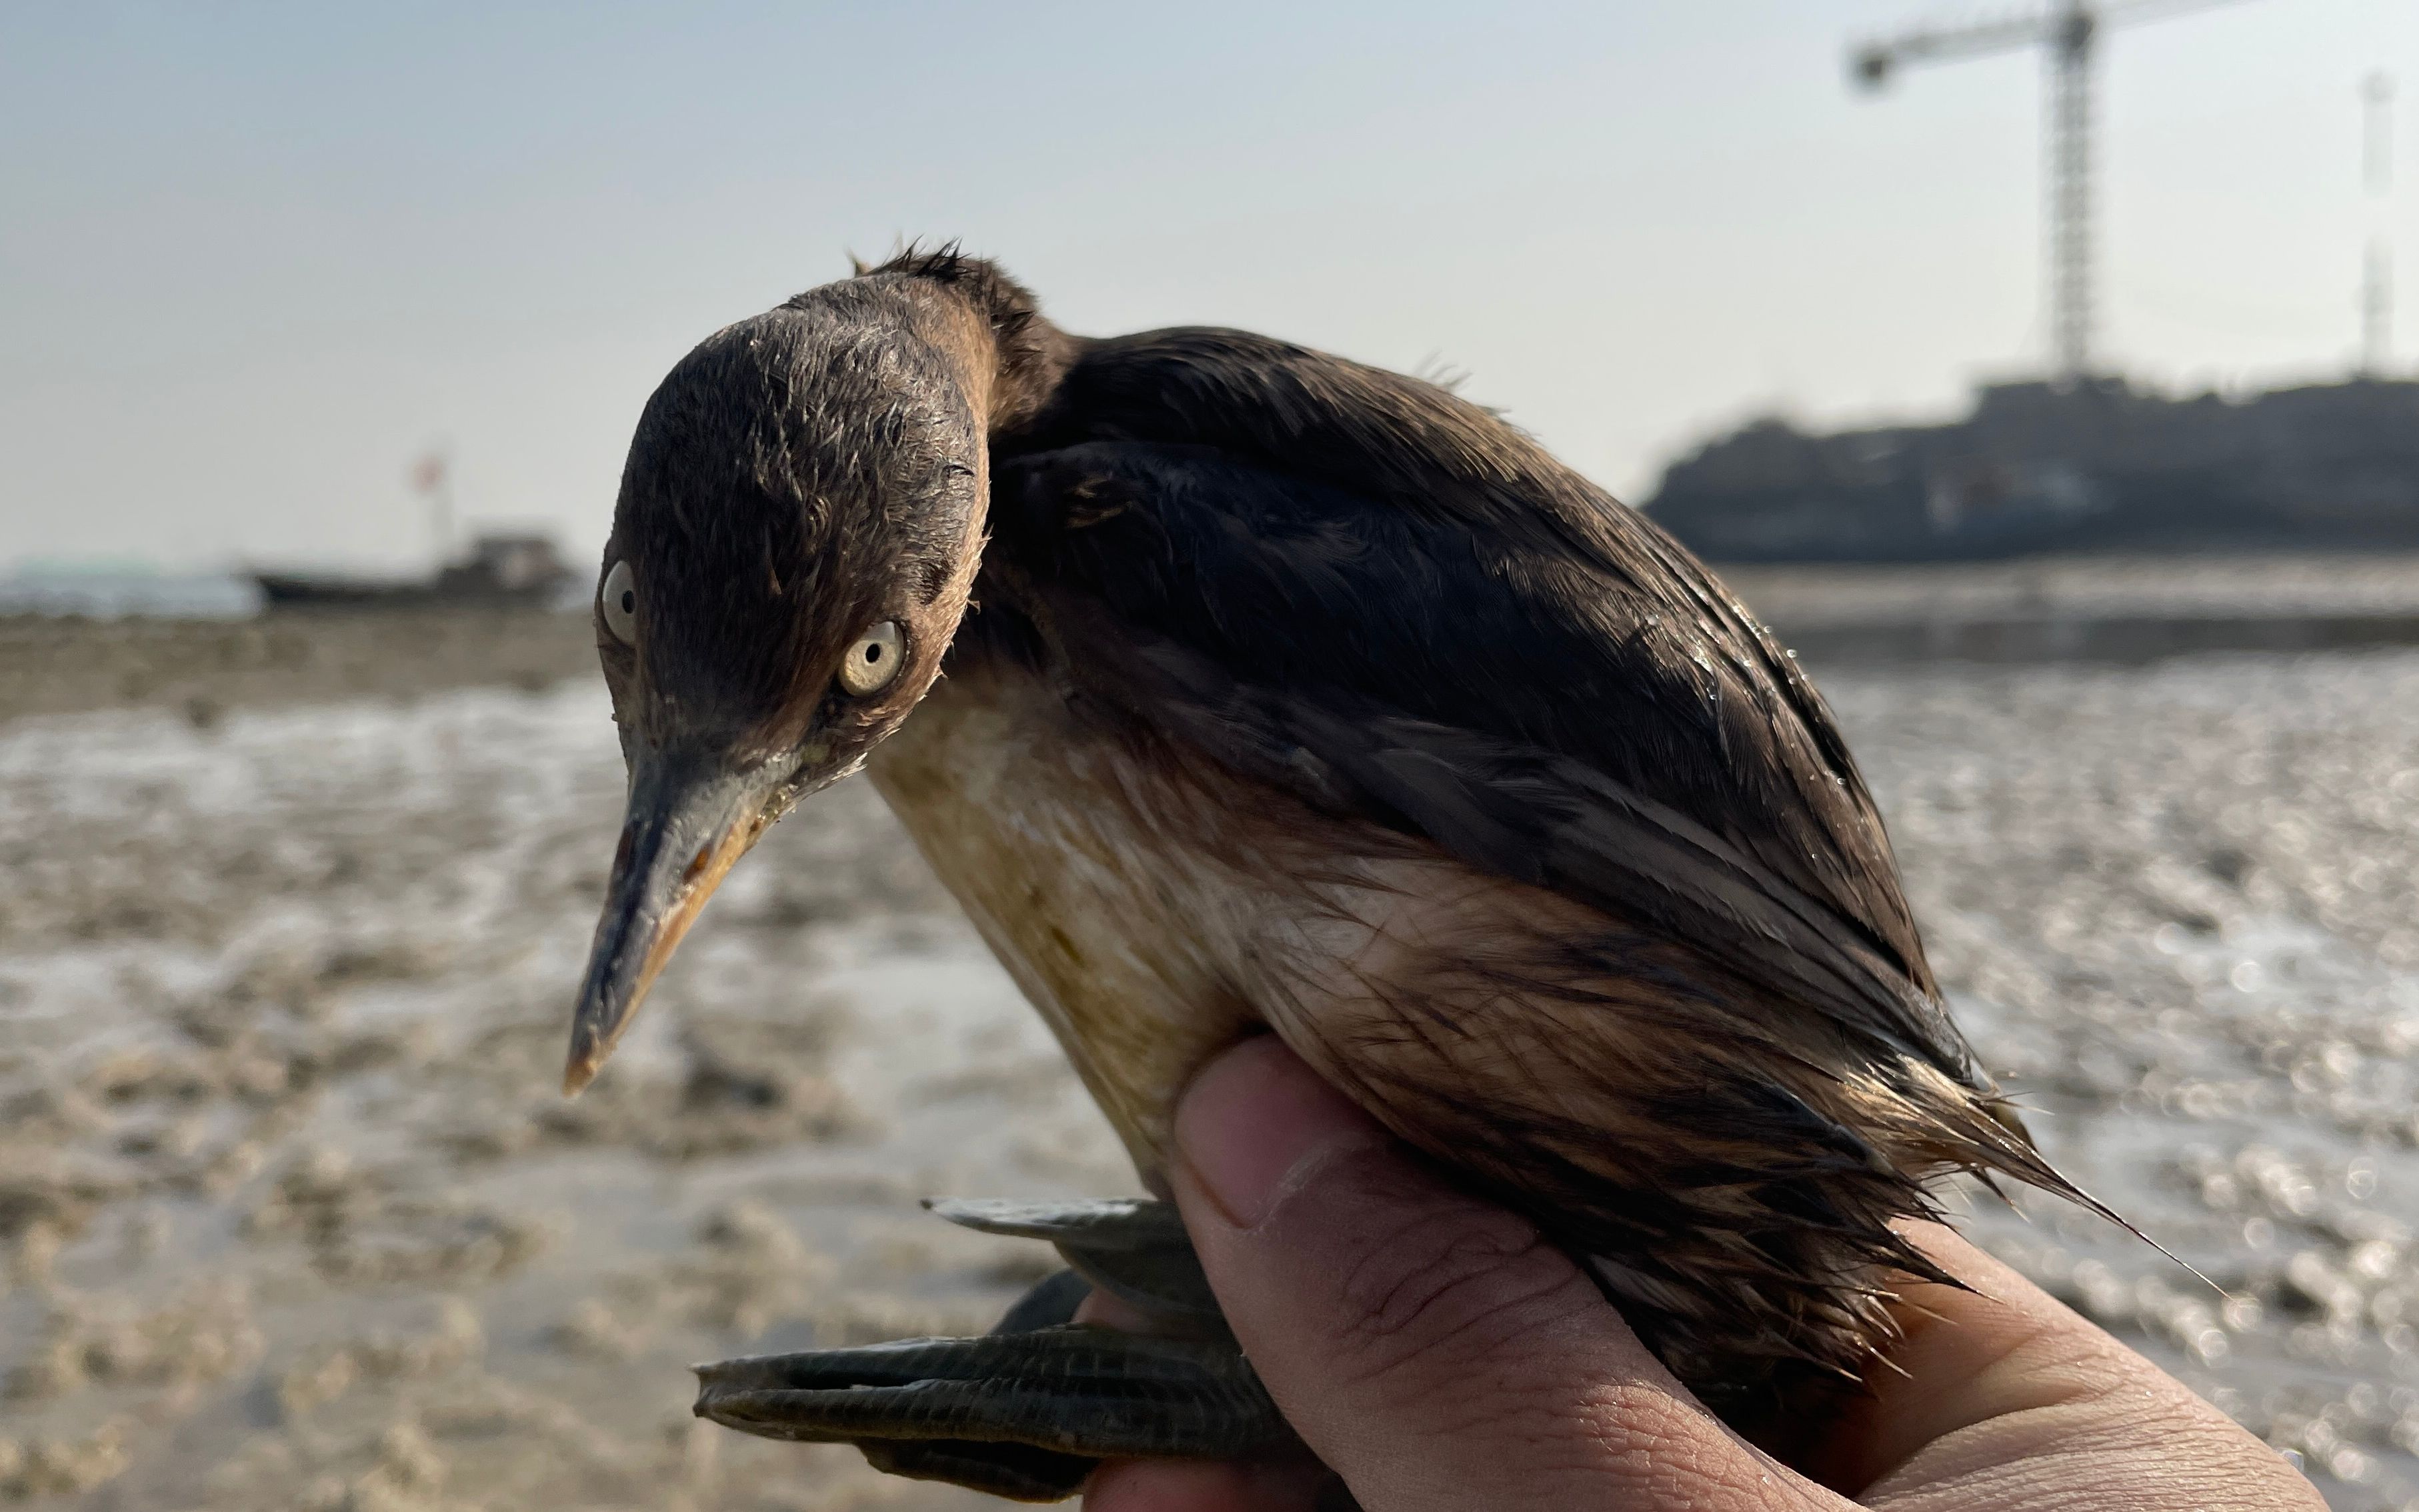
(2376, 271)
(2067, 31)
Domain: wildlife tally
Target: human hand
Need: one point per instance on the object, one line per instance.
(1439, 1355)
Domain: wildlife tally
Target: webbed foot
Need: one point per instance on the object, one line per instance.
(1028, 1409)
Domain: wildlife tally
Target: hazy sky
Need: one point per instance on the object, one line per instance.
(254, 257)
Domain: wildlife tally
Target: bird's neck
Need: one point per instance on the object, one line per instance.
(1010, 359)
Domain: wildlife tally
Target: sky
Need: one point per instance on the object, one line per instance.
(256, 258)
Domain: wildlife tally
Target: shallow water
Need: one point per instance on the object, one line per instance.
(2174, 910)
(292, 1216)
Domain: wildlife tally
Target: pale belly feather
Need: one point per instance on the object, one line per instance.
(1055, 841)
(1156, 909)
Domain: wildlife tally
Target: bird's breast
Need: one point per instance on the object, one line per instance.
(1155, 907)
(1086, 868)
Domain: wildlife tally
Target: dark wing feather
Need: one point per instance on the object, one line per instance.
(1431, 521)
(1362, 587)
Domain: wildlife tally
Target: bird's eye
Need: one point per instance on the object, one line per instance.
(874, 660)
(618, 601)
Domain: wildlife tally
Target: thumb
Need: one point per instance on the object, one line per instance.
(1435, 1351)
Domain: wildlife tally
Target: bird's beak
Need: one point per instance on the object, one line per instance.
(689, 819)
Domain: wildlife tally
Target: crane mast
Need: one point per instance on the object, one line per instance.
(2069, 174)
(2376, 265)
(2068, 33)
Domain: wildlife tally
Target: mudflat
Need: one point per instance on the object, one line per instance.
(67, 664)
(291, 1214)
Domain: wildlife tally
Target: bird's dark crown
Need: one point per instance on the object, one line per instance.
(805, 473)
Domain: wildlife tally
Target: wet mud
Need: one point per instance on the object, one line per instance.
(201, 669)
(2174, 910)
(291, 1214)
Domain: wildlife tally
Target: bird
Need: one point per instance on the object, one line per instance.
(1233, 688)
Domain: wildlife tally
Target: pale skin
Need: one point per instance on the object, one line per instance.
(1440, 1357)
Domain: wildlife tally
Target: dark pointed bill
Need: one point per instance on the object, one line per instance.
(688, 821)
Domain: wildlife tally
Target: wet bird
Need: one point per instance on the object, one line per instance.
(1236, 688)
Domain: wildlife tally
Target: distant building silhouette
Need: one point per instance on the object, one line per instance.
(2099, 466)
(498, 570)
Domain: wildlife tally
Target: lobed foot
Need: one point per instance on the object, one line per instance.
(1028, 1409)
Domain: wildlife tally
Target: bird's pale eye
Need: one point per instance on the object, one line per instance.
(618, 601)
(873, 659)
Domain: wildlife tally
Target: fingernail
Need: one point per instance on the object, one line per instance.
(1255, 1121)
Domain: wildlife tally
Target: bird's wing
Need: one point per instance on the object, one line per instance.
(1366, 589)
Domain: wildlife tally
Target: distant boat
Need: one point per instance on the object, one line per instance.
(498, 572)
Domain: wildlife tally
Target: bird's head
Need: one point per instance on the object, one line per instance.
(799, 526)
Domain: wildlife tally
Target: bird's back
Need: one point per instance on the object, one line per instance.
(1310, 696)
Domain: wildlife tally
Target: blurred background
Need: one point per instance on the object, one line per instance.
(2037, 369)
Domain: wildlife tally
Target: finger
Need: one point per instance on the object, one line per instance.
(2004, 1386)
(1205, 1486)
(1106, 1309)
(1437, 1351)
(1963, 1358)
